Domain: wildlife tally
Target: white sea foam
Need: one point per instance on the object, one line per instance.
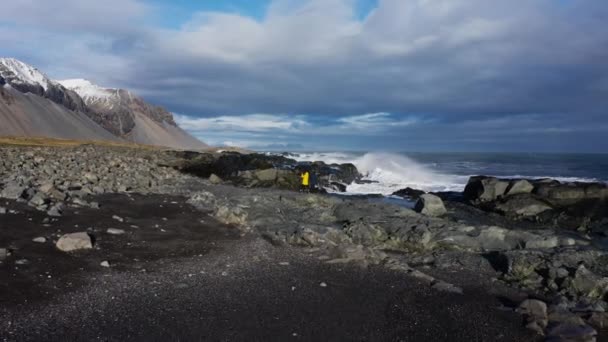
(390, 172)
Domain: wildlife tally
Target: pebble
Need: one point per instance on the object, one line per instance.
(115, 231)
(105, 264)
(2, 210)
(118, 218)
(22, 262)
(40, 239)
(323, 284)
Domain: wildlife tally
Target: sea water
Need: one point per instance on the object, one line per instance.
(450, 171)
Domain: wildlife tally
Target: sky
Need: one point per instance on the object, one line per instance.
(377, 75)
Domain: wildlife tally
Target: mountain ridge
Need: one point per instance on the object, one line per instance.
(119, 112)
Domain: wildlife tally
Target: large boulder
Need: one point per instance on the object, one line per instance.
(571, 193)
(430, 205)
(519, 186)
(522, 205)
(485, 189)
(74, 241)
(12, 191)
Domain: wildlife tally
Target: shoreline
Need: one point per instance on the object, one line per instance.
(147, 216)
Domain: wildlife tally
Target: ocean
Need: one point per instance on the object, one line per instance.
(451, 171)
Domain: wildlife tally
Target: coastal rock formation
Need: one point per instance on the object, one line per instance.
(261, 170)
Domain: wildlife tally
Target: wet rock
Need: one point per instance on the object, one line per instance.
(74, 241)
(430, 205)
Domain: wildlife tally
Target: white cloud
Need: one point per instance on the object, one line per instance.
(246, 123)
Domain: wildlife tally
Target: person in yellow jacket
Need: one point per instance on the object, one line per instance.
(305, 184)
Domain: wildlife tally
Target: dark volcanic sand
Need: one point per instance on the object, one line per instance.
(199, 281)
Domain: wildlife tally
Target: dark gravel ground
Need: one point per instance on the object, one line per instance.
(193, 280)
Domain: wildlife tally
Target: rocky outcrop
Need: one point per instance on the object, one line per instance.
(261, 170)
(583, 206)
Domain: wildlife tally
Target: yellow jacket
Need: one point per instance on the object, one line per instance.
(305, 178)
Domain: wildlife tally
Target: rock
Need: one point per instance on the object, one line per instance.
(447, 287)
(409, 193)
(105, 264)
(118, 218)
(56, 210)
(91, 177)
(519, 186)
(2, 210)
(543, 243)
(522, 205)
(74, 241)
(570, 333)
(203, 200)
(430, 205)
(233, 215)
(38, 200)
(12, 191)
(366, 234)
(338, 187)
(214, 179)
(599, 320)
(588, 284)
(115, 231)
(485, 189)
(40, 239)
(323, 284)
(535, 311)
(267, 175)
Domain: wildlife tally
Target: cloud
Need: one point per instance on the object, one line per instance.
(245, 123)
(448, 61)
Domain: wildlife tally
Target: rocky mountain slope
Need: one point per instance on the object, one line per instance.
(34, 105)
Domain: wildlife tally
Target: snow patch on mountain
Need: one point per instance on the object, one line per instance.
(88, 91)
(17, 71)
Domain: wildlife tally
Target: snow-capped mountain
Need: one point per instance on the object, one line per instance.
(27, 79)
(129, 116)
(20, 74)
(31, 101)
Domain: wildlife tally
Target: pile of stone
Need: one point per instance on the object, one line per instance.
(51, 178)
